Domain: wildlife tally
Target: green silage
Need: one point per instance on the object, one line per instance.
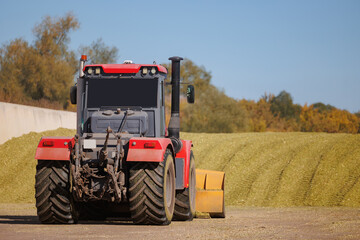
(18, 166)
(283, 169)
(262, 169)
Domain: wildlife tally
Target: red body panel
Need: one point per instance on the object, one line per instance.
(59, 150)
(125, 68)
(138, 153)
(185, 153)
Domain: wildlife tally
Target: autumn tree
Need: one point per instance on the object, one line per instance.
(12, 58)
(331, 121)
(43, 71)
(261, 117)
(358, 114)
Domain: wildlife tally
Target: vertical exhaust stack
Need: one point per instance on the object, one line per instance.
(174, 124)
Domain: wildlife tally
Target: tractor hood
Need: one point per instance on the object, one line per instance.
(136, 123)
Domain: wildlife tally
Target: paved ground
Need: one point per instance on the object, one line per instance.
(19, 221)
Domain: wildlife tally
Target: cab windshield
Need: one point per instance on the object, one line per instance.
(103, 93)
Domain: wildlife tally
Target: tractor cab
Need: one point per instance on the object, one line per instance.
(127, 97)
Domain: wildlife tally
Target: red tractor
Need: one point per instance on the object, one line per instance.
(123, 161)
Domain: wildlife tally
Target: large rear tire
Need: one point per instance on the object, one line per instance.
(185, 199)
(52, 192)
(152, 191)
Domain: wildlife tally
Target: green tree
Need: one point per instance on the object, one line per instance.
(191, 74)
(321, 107)
(212, 111)
(282, 105)
(98, 52)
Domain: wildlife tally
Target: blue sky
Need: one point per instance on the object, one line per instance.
(311, 49)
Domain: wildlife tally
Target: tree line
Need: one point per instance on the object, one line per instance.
(215, 112)
(41, 74)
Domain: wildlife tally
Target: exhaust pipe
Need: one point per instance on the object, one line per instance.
(174, 124)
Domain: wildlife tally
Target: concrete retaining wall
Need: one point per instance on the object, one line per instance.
(16, 120)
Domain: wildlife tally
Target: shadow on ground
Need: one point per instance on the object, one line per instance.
(33, 220)
(8, 219)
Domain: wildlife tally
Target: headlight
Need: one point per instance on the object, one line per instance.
(153, 70)
(145, 71)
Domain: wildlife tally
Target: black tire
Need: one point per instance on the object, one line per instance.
(185, 199)
(152, 191)
(52, 192)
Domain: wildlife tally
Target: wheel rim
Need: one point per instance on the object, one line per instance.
(169, 189)
(192, 188)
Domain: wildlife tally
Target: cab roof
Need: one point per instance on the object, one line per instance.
(125, 68)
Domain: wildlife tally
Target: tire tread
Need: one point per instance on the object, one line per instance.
(146, 193)
(182, 211)
(52, 192)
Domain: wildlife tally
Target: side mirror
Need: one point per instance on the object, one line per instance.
(190, 94)
(73, 91)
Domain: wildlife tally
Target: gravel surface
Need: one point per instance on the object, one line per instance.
(19, 221)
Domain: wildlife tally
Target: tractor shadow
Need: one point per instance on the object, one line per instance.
(33, 220)
(18, 219)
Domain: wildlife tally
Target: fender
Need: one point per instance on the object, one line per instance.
(54, 148)
(142, 149)
(182, 160)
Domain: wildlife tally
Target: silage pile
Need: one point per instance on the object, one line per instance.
(17, 171)
(283, 169)
(262, 169)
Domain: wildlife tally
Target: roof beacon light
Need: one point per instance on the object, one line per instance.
(128, 62)
(83, 59)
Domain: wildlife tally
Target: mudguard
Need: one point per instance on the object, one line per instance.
(153, 149)
(184, 155)
(54, 148)
(144, 149)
